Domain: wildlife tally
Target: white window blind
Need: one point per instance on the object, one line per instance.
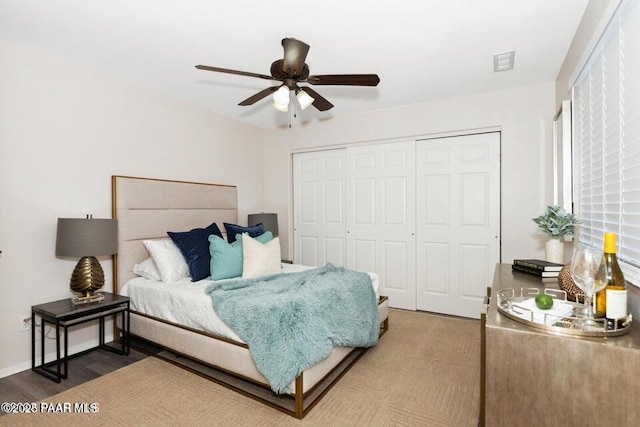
(606, 133)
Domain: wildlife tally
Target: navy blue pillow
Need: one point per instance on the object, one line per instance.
(233, 229)
(194, 246)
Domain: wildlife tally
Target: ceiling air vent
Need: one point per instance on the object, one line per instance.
(503, 61)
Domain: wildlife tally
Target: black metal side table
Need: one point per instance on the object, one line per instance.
(63, 314)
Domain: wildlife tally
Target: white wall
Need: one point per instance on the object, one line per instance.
(524, 115)
(64, 130)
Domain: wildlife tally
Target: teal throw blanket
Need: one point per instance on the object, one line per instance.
(291, 321)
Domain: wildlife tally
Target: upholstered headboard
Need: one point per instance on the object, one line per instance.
(147, 208)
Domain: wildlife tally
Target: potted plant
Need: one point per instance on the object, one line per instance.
(557, 223)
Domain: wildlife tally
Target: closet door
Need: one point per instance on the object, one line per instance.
(458, 221)
(318, 210)
(381, 217)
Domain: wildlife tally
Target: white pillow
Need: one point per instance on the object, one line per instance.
(147, 269)
(168, 259)
(260, 259)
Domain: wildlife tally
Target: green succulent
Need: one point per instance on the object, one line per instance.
(556, 222)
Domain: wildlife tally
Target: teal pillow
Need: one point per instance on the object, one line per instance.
(226, 258)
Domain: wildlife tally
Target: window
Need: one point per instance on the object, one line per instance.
(606, 111)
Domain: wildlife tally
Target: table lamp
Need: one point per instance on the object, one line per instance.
(87, 238)
(268, 220)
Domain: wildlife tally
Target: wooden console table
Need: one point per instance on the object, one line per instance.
(536, 378)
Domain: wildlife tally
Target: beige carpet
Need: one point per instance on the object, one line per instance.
(424, 372)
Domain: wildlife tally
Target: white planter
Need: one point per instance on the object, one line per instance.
(554, 251)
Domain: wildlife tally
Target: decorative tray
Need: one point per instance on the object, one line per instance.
(565, 317)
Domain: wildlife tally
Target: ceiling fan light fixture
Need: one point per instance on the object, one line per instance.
(280, 107)
(304, 99)
(281, 99)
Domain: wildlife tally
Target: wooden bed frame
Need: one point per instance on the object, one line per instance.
(147, 208)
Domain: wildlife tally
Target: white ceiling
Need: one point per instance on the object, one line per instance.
(422, 50)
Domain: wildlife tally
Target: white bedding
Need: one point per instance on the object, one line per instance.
(184, 302)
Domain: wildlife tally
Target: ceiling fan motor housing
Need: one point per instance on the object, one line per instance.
(279, 73)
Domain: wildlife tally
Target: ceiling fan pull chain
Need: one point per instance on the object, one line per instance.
(292, 112)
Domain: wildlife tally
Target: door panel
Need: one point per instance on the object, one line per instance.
(308, 250)
(395, 200)
(436, 206)
(309, 203)
(395, 254)
(474, 259)
(362, 255)
(334, 250)
(458, 221)
(333, 205)
(435, 258)
(364, 201)
(381, 217)
(319, 208)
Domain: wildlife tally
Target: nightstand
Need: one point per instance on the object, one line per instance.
(63, 314)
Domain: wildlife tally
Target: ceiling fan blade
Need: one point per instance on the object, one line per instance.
(345, 79)
(226, 70)
(295, 53)
(318, 100)
(258, 96)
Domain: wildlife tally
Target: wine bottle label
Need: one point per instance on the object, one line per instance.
(616, 304)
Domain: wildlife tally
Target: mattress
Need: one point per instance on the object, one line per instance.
(184, 302)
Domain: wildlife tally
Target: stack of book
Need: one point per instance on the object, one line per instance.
(537, 267)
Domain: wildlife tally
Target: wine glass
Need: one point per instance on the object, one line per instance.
(584, 267)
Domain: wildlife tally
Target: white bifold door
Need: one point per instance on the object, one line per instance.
(319, 212)
(423, 215)
(458, 221)
(381, 217)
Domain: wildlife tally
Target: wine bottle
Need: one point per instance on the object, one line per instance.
(611, 302)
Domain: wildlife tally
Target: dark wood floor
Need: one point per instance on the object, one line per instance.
(28, 386)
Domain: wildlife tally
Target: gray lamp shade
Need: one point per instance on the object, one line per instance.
(268, 220)
(80, 237)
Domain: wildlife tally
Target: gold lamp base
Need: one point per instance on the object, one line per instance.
(87, 278)
(81, 299)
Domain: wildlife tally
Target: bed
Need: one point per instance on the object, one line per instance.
(146, 209)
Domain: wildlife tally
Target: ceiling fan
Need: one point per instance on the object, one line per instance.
(292, 70)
